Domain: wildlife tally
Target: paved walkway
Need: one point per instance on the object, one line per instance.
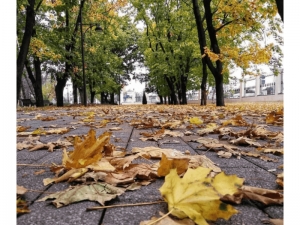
(257, 173)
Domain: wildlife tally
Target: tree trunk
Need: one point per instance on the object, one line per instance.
(59, 90)
(81, 94)
(173, 99)
(183, 89)
(29, 24)
(203, 83)
(112, 98)
(38, 83)
(75, 96)
(279, 4)
(216, 71)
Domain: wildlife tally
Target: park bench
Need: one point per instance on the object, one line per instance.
(27, 102)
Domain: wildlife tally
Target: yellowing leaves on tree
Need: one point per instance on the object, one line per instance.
(86, 151)
(197, 196)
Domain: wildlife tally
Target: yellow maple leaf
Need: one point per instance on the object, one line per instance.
(86, 151)
(194, 195)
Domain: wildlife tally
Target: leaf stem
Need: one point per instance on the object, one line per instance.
(160, 218)
(123, 205)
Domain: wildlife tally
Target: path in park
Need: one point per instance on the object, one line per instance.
(257, 173)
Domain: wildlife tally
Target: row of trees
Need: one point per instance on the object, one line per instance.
(184, 44)
(49, 42)
(228, 32)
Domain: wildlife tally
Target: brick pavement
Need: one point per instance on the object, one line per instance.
(256, 172)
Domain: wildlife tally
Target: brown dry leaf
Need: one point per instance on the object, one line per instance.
(202, 160)
(21, 128)
(153, 136)
(279, 179)
(165, 165)
(50, 145)
(274, 118)
(257, 155)
(173, 133)
(155, 152)
(223, 154)
(245, 141)
(70, 175)
(235, 121)
(122, 163)
(22, 206)
(119, 179)
(262, 132)
(168, 221)
(141, 171)
(21, 190)
(217, 147)
(47, 118)
(102, 165)
(265, 196)
(274, 151)
(172, 124)
(29, 142)
(58, 131)
(86, 151)
(42, 131)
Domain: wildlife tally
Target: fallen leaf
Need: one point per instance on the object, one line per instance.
(245, 141)
(155, 152)
(22, 206)
(209, 129)
(21, 128)
(115, 128)
(69, 175)
(193, 197)
(195, 120)
(100, 192)
(86, 151)
(167, 221)
(21, 190)
(165, 165)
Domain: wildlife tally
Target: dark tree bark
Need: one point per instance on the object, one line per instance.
(29, 24)
(75, 95)
(203, 83)
(279, 4)
(170, 82)
(112, 98)
(216, 71)
(202, 44)
(36, 81)
(93, 93)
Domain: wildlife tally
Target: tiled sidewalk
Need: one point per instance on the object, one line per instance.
(256, 172)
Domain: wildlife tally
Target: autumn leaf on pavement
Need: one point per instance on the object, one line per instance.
(195, 196)
(195, 120)
(69, 175)
(208, 129)
(29, 142)
(153, 136)
(100, 192)
(238, 120)
(165, 165)
(279, 179)
(21, 190)
(86, 151)
(22, 206)
(265, 196)
(155, 152)
(22, 128)
(167, 221)
(47, 118)
(245, 141)
(274, 118)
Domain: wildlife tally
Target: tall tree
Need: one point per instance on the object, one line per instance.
(24, 48)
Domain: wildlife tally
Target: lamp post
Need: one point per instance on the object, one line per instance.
(98, 29)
